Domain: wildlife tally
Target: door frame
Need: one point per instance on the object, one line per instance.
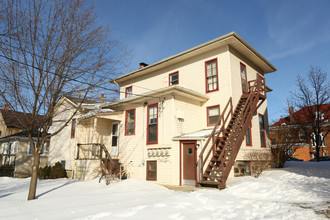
(181, 158)
(111, 135)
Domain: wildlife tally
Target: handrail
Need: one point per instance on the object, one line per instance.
(224, 121)
(246, 116)
(257, 90)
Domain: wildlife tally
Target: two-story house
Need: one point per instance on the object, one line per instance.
(185, 119)
(300, 130)
(16, 157)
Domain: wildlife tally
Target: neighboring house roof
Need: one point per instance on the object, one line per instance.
(23, 134)
(96, 113)
(232, 39)
(301, 115)
(77, 101)
(174, 90)
(17, 119)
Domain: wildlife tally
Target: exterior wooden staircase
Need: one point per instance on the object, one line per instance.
(221, 148)
(96, 151)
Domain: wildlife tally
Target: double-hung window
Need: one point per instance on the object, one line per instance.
(43, 150)
(174, 78)
(244, 78)
(213, 114)
(130, 122)
(152, 135)
(30, 151)
(248, 136)
(262, 131)
(211, 70)
(128, 91)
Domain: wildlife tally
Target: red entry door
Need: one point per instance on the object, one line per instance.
(189, 161)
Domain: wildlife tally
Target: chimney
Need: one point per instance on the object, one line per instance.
(6, 108)
(102, 98)
(291, 115)
(143, 65)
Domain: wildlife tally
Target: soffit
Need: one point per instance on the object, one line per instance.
(159, 94)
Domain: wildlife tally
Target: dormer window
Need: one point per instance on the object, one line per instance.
(174, 78)
(128, 92)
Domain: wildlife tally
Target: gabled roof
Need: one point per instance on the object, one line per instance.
(301, 115)
(17, 119)
(232, 39)
(77, 101)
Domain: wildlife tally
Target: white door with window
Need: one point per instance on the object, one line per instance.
(114, 139)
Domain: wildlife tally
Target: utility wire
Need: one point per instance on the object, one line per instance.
(75, 80)
(55, 61)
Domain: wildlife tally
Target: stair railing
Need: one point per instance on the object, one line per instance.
(204, 159)
(257, 90)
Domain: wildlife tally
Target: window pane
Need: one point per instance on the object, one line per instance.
(152, 124)
(262, 131)
(114, 142)
(213, 115)
(128, 91)
(174, 79)
(115, 129)
(152, 136)
(151, 170)
(130, 122)
(211, 75)
(248, 136)
(73, 128)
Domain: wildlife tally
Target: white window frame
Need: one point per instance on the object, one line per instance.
(314, 139)
(14, 147)
(29, 150)
(4, 147)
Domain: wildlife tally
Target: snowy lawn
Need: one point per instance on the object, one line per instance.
(299, 191)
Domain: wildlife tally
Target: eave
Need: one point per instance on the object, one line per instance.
(159, 93)
(232, 39)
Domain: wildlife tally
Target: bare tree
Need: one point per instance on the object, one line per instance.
(311, 94)
(285, 140)
(51, 48)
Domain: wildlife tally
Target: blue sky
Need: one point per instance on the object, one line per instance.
(291, 34)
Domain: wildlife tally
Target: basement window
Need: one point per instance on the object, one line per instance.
(152, 170)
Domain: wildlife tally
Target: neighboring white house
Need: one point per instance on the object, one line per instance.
(167, 111)
(16, 157)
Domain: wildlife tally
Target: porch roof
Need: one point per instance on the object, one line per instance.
(101, 113)
(170, 90)
(200, 134)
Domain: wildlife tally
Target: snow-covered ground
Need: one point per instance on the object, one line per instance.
(299, 191)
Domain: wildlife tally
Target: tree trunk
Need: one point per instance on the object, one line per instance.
(317, 148)
(34, 176)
